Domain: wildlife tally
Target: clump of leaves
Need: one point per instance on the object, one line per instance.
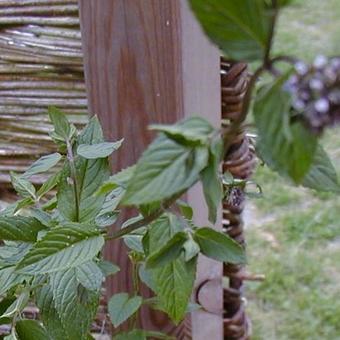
(293, 104)
(53, 235)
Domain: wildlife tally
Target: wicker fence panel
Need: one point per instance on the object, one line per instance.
(41, 65)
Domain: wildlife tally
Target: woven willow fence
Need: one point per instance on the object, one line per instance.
(40, 66)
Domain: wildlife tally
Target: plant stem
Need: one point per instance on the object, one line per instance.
(146, 220)
(135, 280)
(266, 60)
(74, 177)
(233, 130)
(285, 58)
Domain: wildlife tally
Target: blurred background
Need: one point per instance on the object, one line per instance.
(294, 233)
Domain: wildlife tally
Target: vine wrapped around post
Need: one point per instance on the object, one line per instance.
(240, 162)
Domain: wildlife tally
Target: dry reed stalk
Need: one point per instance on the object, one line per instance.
(20, 110)
(36, 56)
(27, 83)
(47, 9)
(77, 120)
(42, 93)
(44, 40)
(44, 102)
(62, 32)
(13, 3)
(21, 45)
(55, 21)
(40, 65)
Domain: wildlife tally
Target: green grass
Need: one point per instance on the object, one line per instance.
(294, 233)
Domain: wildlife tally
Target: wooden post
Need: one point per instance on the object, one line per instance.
(147, 61)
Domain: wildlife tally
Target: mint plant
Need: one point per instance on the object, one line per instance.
(53, 235)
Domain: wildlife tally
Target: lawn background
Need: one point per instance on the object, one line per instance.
(293, 233)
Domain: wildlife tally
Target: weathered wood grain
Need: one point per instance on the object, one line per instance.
(146, 62)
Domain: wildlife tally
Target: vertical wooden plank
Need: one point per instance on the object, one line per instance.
(146, 62)
(201, 96)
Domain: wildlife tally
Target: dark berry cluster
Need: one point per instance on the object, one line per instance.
(235, 197)
(316, 92)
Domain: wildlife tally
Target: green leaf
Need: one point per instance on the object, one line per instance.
(62, 248)
(147, 277)
(154, 304)
(219, 246)
(11, 209)
(50, 205)
(106, 219)
(90, 175)
(42, 216)
(31, 330)
(141, 334)
(134, 242)
(75, 305)
(186, 209)
(17, 306)
(162, 230)
(9, 279)
(49, 314)
(120, 179)
(22, 186)
(61, 125)
(12, 336)
(121, 307)
(100, 150)
(227, 178)
(191, 131)
(165, 168)
(108, 268)
(134, 239)
(191, 249)
(47, 186)
(23, 203)
(281, 3)
(19, 228)
(173, 283)
(212, 185)
(107, 215)
(12, 252)
(285, 2)
(240, 28)
(169, 252)
(286, 147)
(43, 164)
(136, 334)
(90, 275)
(150, 208)
(4, 304)
(322, 176)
